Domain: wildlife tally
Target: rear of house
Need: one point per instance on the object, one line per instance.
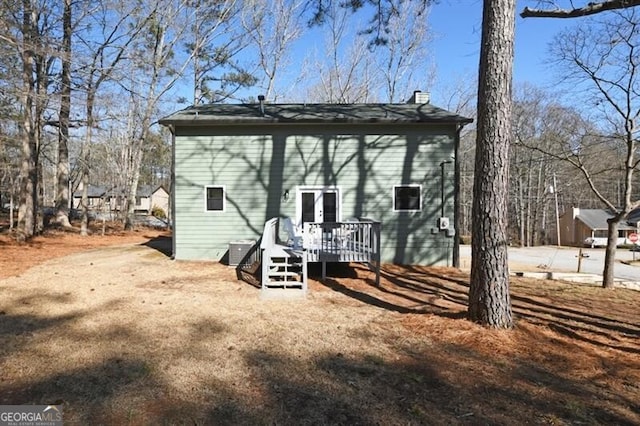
(237, 166)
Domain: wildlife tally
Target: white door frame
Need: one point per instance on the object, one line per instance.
(319, 190)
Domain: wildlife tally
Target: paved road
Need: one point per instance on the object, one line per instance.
(565, 259)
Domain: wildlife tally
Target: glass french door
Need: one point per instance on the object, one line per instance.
(318, 205)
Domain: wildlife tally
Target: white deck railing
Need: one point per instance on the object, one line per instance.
(269, 234)
(356, 241)
(342, 241)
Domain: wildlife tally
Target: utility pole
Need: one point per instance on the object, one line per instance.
(555, 193)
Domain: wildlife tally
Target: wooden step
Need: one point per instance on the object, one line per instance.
(287, 287)
(285, 274)
(284, 265)
(276, 259)
(283, 269)
(285, 252)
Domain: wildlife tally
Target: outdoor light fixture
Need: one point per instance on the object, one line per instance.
(285, 195)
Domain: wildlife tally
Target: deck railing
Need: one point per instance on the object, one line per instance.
(354, 241)
(357, 241)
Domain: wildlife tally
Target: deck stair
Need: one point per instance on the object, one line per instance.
(284, 269)
(284, 266)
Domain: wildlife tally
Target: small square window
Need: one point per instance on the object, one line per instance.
(215, 198)
(407, 198)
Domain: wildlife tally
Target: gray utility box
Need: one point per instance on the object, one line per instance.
(242, 252)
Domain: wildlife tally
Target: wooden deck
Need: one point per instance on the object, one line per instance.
(285, 266)
(342, 241)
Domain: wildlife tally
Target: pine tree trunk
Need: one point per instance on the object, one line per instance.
(489, 300)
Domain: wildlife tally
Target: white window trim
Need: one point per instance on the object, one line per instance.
(393, 197)
(224, 198)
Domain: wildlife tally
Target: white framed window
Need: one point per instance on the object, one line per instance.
(215, 198)
(407, 198)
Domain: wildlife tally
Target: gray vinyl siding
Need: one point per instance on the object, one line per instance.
(257, 164)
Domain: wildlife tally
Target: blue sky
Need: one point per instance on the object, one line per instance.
(457, 27)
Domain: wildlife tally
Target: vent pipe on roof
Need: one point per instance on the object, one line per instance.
(419, 97)
(261, 100)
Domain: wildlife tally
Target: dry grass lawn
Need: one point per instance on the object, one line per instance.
(122, 335)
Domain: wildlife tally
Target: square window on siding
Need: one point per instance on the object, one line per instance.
(407, 198)
(215, 198)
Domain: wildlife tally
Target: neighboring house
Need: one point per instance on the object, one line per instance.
(112, 200)
(96, 195)
(588, 227)
(149, 197)
(160, 198)
(237, 166)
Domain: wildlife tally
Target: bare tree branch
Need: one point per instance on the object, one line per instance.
(591, 8)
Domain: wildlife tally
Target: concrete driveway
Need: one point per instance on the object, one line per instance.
(564, 259)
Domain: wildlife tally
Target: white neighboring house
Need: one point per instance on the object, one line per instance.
(148, 198)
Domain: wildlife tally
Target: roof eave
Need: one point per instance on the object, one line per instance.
(273, 121)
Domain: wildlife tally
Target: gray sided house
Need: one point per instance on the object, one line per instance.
(237, 166)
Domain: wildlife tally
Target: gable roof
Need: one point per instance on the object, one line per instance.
(101, 191)
(158, 188)
(148, 190)
(93, 191)
(213, 114)
(596, 219)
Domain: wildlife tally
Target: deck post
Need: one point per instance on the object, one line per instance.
(324, 270)
(378, 254)
(304, 270)
(265, 268)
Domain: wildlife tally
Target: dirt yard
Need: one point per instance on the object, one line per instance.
(119, 334)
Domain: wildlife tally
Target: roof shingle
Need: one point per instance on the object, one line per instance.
(212, 114)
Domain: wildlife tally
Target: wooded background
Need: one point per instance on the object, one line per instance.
(82, 85)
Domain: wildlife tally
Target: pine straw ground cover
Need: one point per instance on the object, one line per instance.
(124, 335)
